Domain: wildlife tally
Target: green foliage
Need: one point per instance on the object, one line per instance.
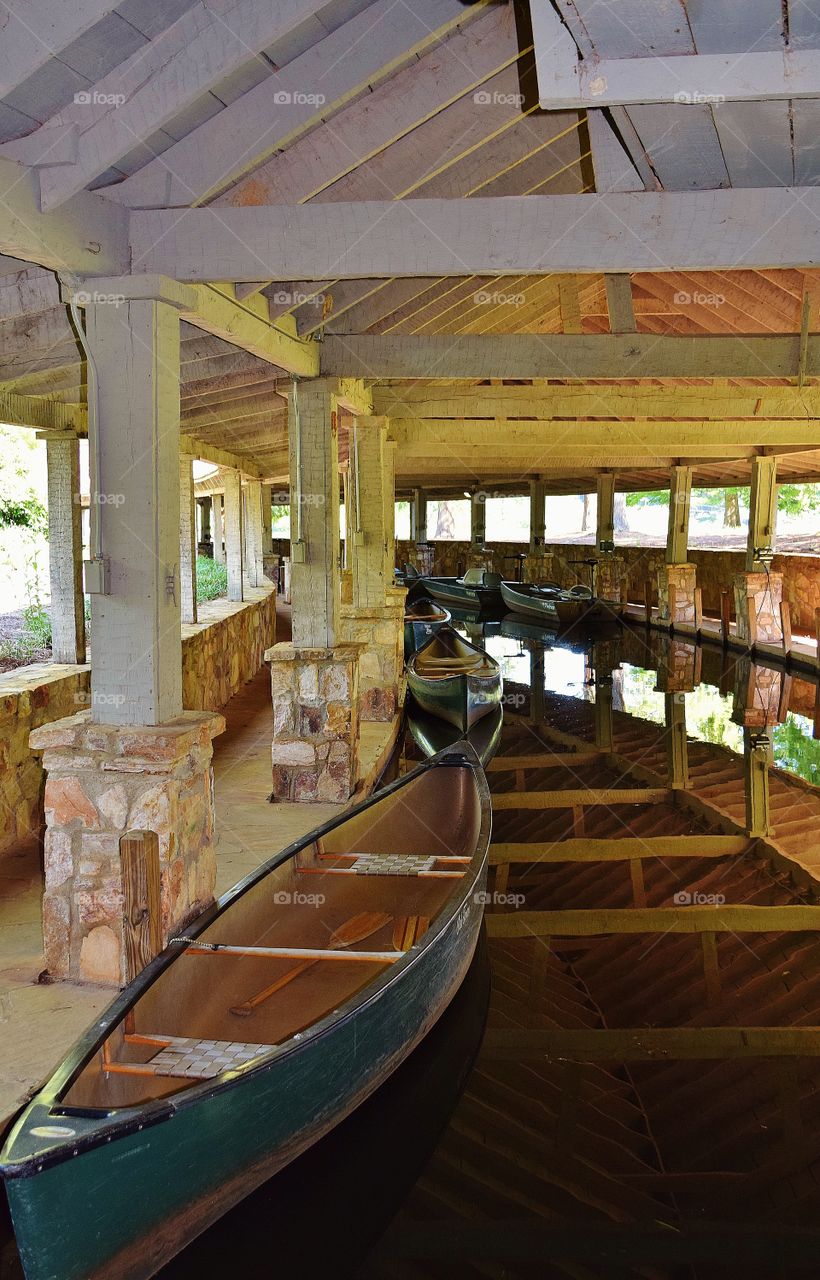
(23, 513)
(211, 579)
(795, 749)
(648, 498)
(794, 499)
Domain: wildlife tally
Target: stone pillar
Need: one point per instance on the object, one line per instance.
(105, 781)
(233, 532)
(219, 544)
(65, 549)
(187, 538)
(314, 755)
(608, 577)
(537, 516)
(136, 676)
(676, 592)
(253, 534)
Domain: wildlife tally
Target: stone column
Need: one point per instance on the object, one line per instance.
(105, 781)
(233, 532)
(136, 675)
(187, 538)
(253, 533)
(219, 544)
(677, 577)
(65, 549)
(314, 680)
(758, 591)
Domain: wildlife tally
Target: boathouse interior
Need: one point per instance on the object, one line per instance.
(354, 261)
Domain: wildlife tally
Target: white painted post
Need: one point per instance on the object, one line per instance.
(314, 515)
(762, 508)
(389, 494)
(187, 538)
(65, 553)
(219, 544)
(369, 558)
(136, 676)
(605, 529)
(267, 537)
(538, 501)
(233, 532)
(680, 498)
(253, 533)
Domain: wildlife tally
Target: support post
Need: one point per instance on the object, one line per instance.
(680, 501)
(418, 517)
(478, 512)
(367, 488)
(255, 567)
(187, 538)
(136, 676)
(267, 504)
(219, 544)
(605, 523)
(758, 591)
(233, 533)
(677, 743)
(756, 753)
(65, 555)
(389, 495)
(538, 502)
(762, 510)
(314, 515)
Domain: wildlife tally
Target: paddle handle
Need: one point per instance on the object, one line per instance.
(243, 1010)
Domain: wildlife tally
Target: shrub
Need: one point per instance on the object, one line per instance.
(211, 579)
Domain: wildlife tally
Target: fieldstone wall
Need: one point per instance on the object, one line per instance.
(226, 647)
(315, 750)
(375, 632)
(757, 606)
(682, 579)
(104, 781)
(220, 653)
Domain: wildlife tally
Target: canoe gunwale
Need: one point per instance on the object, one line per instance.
(112, 1125)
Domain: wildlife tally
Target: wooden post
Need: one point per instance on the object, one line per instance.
(638, 886)
(389, 497)
(673, 603)
(605, 522)
(136, 676)
(219, 544)
(142, 899)
(477, 518)
(65, 553)
(314, 514)
(368, 488)
(187, 539)
(762, 508)
(756, 783)
(677, 743)
(698, 598)
(233, 532)
(624, 595)
(680, 499)
(253, 534)
(538, 503)
(267, 537)
(418, 517)
(647, 602)
(725, 616)
(786, 626)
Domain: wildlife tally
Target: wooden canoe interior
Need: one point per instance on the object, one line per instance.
(385, 873)
(447, 654)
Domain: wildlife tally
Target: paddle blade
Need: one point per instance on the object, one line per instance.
(359, 927)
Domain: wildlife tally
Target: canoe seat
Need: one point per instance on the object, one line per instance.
(392, 864)
(194, 1059)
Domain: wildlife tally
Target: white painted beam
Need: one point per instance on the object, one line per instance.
(509, 235)
(581, 356)
(311, 88)
(88, 236)
(205, 45)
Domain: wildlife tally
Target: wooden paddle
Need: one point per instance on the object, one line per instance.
(356, 929)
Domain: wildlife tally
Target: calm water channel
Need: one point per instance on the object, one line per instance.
(476, 1159)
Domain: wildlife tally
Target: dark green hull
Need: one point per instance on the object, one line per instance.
(122, 1205)
(433, 734)
(461, 700)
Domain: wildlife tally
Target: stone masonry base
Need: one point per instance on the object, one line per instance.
(315, 750)
(757, 606)
(676, 592)
(103, 782)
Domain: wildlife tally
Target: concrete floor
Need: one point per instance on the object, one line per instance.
(39, 1022)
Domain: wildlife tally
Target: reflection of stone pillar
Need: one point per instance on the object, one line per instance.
(103, 782)
(761, 694)
(315, 751)
(678, 664)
